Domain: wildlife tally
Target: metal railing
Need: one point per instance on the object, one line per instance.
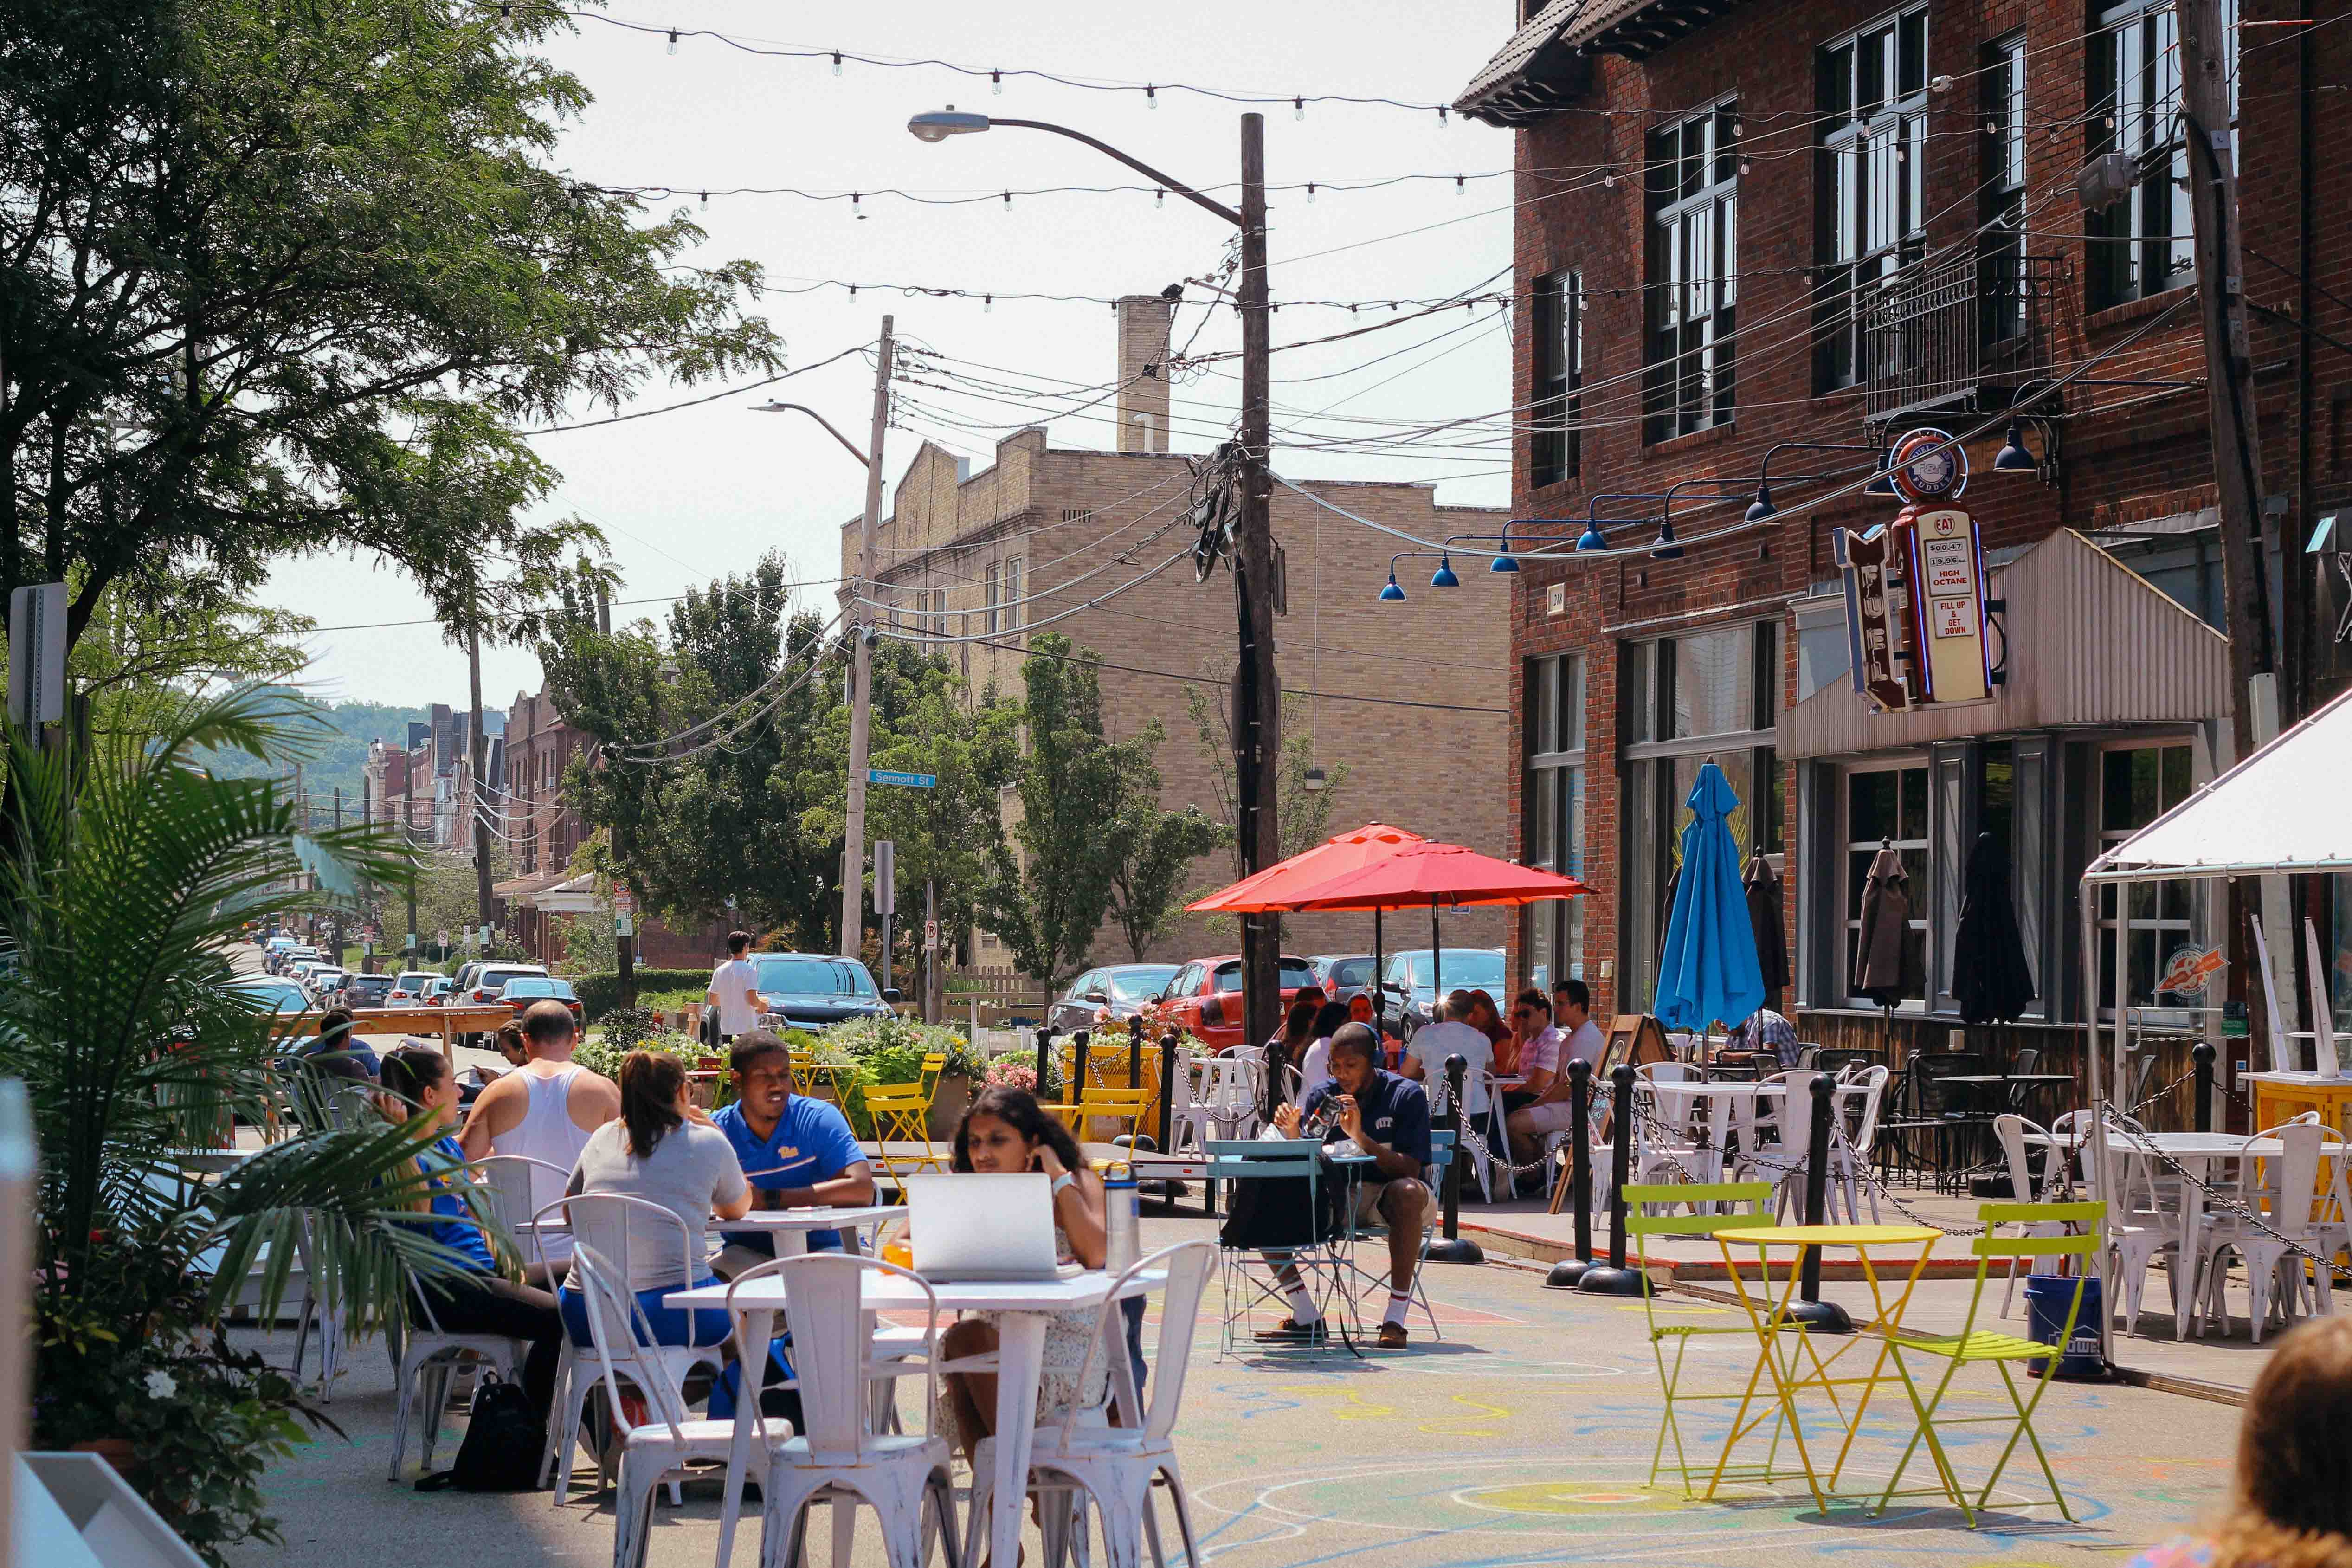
(1962, 333)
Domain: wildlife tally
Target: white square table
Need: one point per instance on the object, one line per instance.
(1023, 1308)
(1731, 1108)
(791, 1227)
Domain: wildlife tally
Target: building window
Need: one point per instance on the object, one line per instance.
(991, 589)
(2001, 248)
(2140, 245)
(1874, 103)
(1012, 594)
(1884, 808)
(1554, 450)
(1552, 793)
(1711, 694)
(2137, 785)
(1694, 244)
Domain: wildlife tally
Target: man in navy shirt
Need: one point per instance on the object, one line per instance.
(797, 1153)
(1388, 1119)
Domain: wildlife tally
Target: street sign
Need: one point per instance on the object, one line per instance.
(930, 936)
(412, 942)
(625, 924)
(907, 781)
(486, 936)
(36, 655)
(444, 934)
(625, 902)
(885, 877)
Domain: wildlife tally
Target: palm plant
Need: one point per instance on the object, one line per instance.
(125, 877)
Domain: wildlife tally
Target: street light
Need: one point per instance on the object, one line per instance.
(805, 408)
(1257, 691)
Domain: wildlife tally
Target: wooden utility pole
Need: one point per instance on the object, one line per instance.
(1257, 691)
(480, 753)
(861, 668)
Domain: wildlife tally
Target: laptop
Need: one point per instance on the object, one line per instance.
(973, 1226)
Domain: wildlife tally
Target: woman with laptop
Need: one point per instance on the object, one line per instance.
(1007, 1132)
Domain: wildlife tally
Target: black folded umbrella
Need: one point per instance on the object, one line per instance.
(1991, 979)
(1763, 885)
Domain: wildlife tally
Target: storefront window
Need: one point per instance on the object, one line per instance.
(1552, 932)
(2137, 785)
(1886, 807)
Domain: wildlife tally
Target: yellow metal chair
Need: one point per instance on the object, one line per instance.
(1128, 1105)
(1972, 1346)
(1758, 1196)
(900, 1113)
(934, 1064)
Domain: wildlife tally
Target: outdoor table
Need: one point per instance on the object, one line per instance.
(1771, 1317)
(1022, 1308)
(1730, 1108)
(2038, 1083)
(1983, 1089)
(791, 1227)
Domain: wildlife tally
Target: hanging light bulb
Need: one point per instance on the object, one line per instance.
(1609, 179)
(1159, 199)
(506, 10)
(1008, 201)
(1151, 98)
(1736, 130)
(836, 62)
(853, 198)
(706, 198)
(1392, 593)
(1444, 577)
(1744, 168)
(996, 83)
(1441, 114)
(1310, 193)
(1298, 108)
(672, 40)
(852, 290)
(1459, 188)
(988, 304)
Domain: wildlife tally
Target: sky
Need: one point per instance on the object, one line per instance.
(685, 497)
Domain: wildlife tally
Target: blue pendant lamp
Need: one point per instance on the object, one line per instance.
(1763, 508)
(1444, 577)
(1591, 538)
(1392, 593)
(1667, 548)
(1880, 484)
(1503, 560)
(2013, 458)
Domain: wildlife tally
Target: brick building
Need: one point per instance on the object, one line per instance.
(1408, 697)
(1743, 225)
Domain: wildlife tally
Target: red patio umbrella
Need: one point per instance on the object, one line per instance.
(1435, 874)
(1267, 891)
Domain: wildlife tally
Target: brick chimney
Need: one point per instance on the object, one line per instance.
(1143, 321)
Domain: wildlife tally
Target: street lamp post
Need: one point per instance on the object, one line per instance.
(1257, 691)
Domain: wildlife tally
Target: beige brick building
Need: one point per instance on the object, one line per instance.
(1410, 698)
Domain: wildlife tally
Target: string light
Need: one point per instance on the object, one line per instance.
(1151, 97)
(1159, 199)
(1008, 201)
(1298, 108)
(836, 62)
(996, 83)
(672, 40)
(988, 305)
(1459, 188)
(1441, 114)
(1310, 193)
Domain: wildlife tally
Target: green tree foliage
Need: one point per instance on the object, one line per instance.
(1046, 904)
(278, 278)
(1153, 852)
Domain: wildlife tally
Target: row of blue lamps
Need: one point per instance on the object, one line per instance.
(2012, 458)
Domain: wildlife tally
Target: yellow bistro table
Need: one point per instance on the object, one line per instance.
(1794, 1361)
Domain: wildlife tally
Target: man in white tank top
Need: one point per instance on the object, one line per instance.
(544, 1110)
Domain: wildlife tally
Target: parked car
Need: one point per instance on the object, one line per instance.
(488, 984)
(1344, 974)
(1204, 999)
(1115, 992)
(269, 993)
(323, 979)
(815, 991)
(408, 988)
(364, 990)
(438, 990)
(524, 990)
(1412, 975)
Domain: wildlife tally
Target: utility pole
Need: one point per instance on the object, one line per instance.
(1257, 691)
(861, 672)
(409, 836)
(480, 752)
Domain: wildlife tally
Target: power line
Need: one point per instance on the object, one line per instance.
(695, 402)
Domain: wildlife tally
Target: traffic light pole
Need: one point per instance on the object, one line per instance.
(861, 671)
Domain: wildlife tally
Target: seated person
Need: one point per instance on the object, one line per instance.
(1007, 1133)
(1387, 1118)
(797, 1153)
(478, 1300)
(1451, 1034)
(1330, 1018)
(1768, 1033)
(663, 1149)
(1289, 1051)
(338, 1053)
(1574, 1038)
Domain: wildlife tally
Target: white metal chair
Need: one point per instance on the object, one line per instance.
(2270, 1259)
(426, 1360)
(1227, 1104)
(659, 1448)
(1115, 1468)
(842, 1458)
(519, 1187)
(2139, 1229)
(2009, 1129)
(601, 1220)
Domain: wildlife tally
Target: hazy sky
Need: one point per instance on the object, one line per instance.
(683, 497)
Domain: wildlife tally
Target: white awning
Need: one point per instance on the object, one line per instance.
(2279, 811)
(575, 896)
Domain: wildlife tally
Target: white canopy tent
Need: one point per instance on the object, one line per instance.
(2278, 813)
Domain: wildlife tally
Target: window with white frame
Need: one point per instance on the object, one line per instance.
(1693, 186)
(991, 590)
(1873, 105)
(2138, 783)
(1552, 798)
(2141, 246)
(2000, 244)
(1553, 449)
(1013, 616)
(1886, 807)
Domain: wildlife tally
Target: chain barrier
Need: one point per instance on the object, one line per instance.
(1439, 1103)
(2223, 1202)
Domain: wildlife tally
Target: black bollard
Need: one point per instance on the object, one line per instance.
(2201, 1054)
(1453, 1248)
(1044, 1062)
(1168, 1089)
(1818, 1316)
(1614, 1279)
(1135, 1052)
(1565, 1274)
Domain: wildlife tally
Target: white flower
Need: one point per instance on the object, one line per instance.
(160, 1385)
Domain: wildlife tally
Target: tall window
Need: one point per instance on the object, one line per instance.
(2137, 785)
(1886, 807)
(1012, 594)
(2141, 245)
(1552, 796)
(991, 590)
(1555, 451)
(1712, 694)
(1694, 207)
(1873, 103)
(2001, 244)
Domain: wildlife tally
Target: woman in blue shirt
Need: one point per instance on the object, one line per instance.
(479, 1301)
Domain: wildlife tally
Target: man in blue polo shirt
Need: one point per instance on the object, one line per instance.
(1388, 1119)
(797, 1153)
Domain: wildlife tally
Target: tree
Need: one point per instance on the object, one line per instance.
(281, 279)
(153, 651)
(1046, 904)
(1151, 850)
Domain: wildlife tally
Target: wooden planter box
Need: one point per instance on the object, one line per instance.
(951, 1100)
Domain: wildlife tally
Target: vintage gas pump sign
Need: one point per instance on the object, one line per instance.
(1916, 586)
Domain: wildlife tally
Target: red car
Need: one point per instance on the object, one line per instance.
(1204, 999)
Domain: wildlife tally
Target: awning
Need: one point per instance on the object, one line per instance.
(2279, 811)
(2091, 643)
(1638, 28)
(1532, 77)
(525, 891)
(575, 896)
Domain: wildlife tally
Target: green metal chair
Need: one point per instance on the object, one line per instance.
(1758, 1196)
(1972, 1346)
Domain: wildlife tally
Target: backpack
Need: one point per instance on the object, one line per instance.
(503, 1442)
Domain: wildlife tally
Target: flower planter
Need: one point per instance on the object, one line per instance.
(951, 1098)
(115, 1451)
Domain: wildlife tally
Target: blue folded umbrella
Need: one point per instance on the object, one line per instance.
(1707, 972)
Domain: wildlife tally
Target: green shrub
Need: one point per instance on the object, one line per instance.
(893, 1048)
(604, 1055)
(601, 993)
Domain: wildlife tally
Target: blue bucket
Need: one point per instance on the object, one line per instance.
(2047, 1299)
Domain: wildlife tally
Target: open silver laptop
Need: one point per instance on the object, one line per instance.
(983, 1227)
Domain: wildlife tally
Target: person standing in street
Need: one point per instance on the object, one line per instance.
(544, 1110)
(734, 993)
